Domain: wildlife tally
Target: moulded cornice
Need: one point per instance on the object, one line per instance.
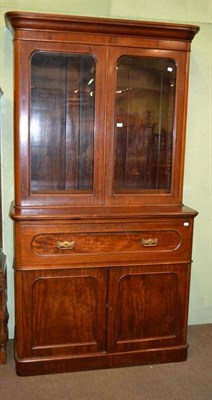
(67, 23)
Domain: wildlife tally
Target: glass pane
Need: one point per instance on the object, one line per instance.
(62, 122)
(144, 112)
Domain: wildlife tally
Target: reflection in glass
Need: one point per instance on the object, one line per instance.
(62, 122)
(144, 119)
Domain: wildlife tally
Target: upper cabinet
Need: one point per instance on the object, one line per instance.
(100, 111)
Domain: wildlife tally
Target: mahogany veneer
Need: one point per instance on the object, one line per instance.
(103, 243)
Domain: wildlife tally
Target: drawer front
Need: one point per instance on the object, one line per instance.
(106, 243)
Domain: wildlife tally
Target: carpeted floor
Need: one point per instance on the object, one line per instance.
(189, 380)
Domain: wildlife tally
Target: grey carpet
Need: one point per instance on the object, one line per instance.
(189, 380)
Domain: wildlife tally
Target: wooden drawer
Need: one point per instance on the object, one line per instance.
(106, 243)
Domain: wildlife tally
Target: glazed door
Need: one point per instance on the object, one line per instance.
(62, 141)
(147, 128)
(148, 307)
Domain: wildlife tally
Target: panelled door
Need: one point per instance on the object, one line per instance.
(147, 307)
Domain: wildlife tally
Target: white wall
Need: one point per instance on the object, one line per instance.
(198, 169)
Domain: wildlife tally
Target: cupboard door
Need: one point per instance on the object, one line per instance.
(147, 307)
(145, 157)
(61, 157)
(61, 312)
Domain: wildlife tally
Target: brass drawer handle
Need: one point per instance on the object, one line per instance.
(149, 242)
(66, 245)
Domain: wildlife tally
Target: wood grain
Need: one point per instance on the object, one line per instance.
(118, 294)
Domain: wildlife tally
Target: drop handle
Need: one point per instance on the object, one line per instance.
(66, 245)
(151, 242)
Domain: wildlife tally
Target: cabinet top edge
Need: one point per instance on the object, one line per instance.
(67, 213)
(16, 20)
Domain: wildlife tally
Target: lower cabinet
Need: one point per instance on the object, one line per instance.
(87, 318)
